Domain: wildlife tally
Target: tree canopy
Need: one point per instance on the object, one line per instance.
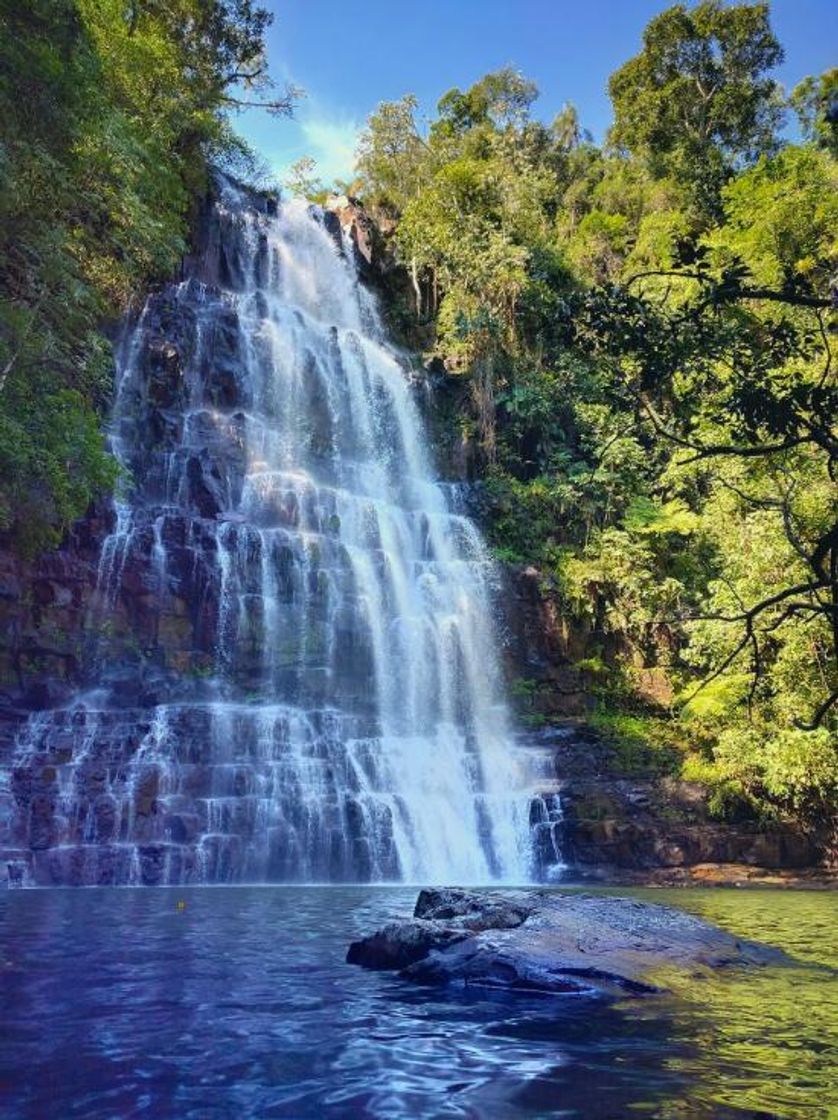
(698, 101)
(644, 338)
(110, 112)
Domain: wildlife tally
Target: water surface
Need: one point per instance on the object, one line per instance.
(236, 1002)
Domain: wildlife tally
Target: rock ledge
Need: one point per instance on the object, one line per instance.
(548, 941)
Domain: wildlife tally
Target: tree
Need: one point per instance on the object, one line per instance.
(221, 47)
(302, 179)
(566, 128)
(815, 101)
(501, 99)
(697, 102)
(392, 156)
(110, 115)
(750, 403)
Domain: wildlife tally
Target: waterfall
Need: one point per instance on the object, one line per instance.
(285, 556)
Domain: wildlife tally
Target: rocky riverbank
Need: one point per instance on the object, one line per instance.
(550, 942)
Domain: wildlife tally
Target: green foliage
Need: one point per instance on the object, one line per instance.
(648, 518)
(391, 154)
(796, 769)
(303, 182)
(697, 100)
(54, 446)
(641, 745)
(781, 219)
(815, 100)
(475, 198)
(524, 694)
(647, 335)
(109, 113)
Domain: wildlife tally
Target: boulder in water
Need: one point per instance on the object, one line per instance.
(550, 942)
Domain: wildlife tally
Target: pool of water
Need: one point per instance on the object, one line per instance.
(236, 1002)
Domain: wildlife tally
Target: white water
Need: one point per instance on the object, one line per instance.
(355, 726)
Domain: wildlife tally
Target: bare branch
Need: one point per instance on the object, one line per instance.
(728, 295)
(706, 451)
(721, 668)
(281, 107)
(819, 713)
(781, 297)
(825, 337)
(771, 601)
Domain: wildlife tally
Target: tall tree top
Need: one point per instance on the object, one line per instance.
(697, 101)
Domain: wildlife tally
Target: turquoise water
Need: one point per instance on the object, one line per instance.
(236, 1002)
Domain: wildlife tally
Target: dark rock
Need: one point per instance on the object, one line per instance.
(331, 223)
(543, 644)
(647, 823)
(165, 382)
(182, 828)
(348, 215)
(46, 692)
(550, 942)
(106, 816)
(469, 911)
(401, 944)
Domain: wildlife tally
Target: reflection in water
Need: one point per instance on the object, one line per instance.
(238, 1003)
(768, 1040)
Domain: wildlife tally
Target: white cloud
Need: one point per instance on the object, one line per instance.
(329, 138)
(331, 141)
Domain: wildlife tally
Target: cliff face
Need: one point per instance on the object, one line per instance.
(621, 820)
(132, 615)
(273, 658)
(92, 614)
(44, 608)
(97, 636)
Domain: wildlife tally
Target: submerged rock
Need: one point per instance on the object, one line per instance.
(550, 942)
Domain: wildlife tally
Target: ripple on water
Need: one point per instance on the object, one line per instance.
(116, 1003)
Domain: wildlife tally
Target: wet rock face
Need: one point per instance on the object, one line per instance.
(542, 645)
(615, 820)
(45, 642)
(470, 911)
(347, 215)
(402, 944)
(604, 821)
(550, 942)
(257, 662)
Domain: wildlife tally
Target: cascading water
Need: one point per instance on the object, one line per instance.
(339, 712)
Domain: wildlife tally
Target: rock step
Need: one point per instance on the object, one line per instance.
(552, 942)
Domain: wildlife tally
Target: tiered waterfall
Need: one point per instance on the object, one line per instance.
(333, 708)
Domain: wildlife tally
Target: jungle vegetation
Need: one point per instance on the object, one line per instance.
(646, 333)
(111, 113)
(643, 331)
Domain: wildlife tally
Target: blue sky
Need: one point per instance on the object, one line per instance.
(349, 57)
